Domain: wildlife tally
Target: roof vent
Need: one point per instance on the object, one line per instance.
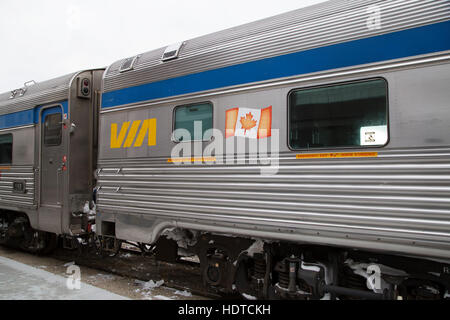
(172, 51)
(13, 94)
(22, 91)
(128, 64)
(29, 83)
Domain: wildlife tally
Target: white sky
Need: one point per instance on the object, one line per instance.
(45, 39)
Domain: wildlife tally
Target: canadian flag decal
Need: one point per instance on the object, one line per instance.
(249, 123)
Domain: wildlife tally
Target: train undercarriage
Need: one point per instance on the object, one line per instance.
(15, 231)
(274, 270)
(262, 270)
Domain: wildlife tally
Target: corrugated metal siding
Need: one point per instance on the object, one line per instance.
(321, 25)
(400, 197)
(8, 198)
(41, 93)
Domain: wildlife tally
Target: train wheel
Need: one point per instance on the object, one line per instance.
(39, 242)
(51, 243)
(36, 242)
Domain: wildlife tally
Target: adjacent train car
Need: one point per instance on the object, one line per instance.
(48, 155)
(351, 100)
(303, 156)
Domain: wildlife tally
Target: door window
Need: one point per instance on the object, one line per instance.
(52, 130)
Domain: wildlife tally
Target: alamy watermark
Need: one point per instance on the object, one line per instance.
(73, 281)
(373, 21)
(211, 146)
(374, 278)
(73, 17)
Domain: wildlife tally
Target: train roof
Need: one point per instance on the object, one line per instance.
(316, 26)
(32, 95)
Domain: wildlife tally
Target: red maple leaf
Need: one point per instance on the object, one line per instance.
(248, 122)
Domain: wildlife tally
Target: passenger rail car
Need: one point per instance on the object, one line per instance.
(48, 154)
(302, 156)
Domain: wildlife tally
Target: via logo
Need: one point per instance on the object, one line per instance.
(73, 282)
(133, 134)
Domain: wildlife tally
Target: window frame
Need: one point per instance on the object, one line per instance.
(12, 149)
(175, 48)
(61, 131)
(131, 67)
(174, 111)
(288, 139)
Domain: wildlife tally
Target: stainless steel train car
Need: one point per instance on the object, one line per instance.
(48, 155)
(302, 156)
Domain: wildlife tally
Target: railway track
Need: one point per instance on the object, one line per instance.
(183, 275)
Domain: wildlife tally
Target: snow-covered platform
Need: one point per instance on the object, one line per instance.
(22, 282)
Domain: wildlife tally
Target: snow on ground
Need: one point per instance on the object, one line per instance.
(146, 290)
(102, 277)
(109, 282)
(22, 282)
(249, 297)
(183, 293)
(68, 264)
(149, 285)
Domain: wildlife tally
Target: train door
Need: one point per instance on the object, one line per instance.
(52, 167)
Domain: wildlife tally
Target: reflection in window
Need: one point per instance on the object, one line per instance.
(6, 142)
(187, 116)
(52, 130)
(346, 115)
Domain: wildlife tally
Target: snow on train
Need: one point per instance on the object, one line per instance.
(348, 102)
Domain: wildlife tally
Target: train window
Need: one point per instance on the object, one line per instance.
(344, 115)
(6, 143)
(52, 130)
(190, 118)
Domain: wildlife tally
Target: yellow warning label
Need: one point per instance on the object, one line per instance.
(180, 160)
(338, 155)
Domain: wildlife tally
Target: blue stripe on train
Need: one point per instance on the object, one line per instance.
(24, 118)
(401, 44)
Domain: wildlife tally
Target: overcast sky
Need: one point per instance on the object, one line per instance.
(44, 39)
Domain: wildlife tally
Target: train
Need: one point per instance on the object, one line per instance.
(303, 156)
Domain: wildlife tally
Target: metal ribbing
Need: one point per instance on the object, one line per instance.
(330, 23)
(401, 196)
(41, 93)
(9, 198)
